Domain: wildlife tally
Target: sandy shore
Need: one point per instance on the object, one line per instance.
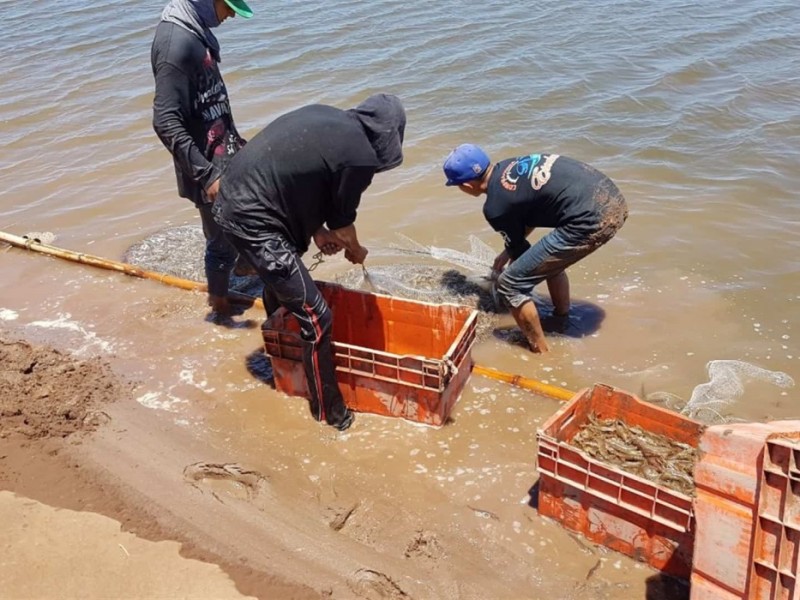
(102, 498)
(88, 508)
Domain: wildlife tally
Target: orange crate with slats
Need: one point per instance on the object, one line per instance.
(394, 357)
(747, 512)
(606, 504)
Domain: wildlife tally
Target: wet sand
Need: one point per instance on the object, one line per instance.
(691, 110)
(81, 521)
(57, 553)
(145, 518)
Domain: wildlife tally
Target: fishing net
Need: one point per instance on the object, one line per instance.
(427, 283)
(726, 384)
(179, 251)
(412, 270)
(727, 379)
(479, 260)
(42, 237)
(658, 458)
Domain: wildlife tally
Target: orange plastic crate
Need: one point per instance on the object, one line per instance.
(606, 504)
(394, 357)
(776, 543)
(746, 512)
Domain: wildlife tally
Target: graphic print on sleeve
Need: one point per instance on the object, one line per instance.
(213, 105)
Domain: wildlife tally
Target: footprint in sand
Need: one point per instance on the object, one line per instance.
(425, 544)
(341, 516)
(226, 480)
(374, 585)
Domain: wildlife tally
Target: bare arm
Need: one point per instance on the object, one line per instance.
(502, 259)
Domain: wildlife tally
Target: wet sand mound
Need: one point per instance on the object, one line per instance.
(44, 393)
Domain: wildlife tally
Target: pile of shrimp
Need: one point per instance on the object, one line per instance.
(656, 458)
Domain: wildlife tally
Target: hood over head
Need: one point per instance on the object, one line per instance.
(197, 16)
(384, 120)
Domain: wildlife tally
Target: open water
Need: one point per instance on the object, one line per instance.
(692, 108)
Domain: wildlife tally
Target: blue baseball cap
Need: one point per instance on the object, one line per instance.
(465, 163)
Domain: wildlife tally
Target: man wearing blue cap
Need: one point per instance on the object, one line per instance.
(192, 117)
(582, 206)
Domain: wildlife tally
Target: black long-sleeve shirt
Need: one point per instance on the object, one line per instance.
(191, 112)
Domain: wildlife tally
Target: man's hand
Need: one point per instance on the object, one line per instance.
(500, 262)
(357, 256)
(212, 191)
(327, 242)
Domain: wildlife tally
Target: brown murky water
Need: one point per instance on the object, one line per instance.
(691, 110)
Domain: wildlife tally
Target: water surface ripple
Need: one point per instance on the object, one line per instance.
(692, 108)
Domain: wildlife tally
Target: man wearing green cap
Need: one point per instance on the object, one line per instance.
(192, 117)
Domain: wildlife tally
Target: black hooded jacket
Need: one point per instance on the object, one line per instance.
(309, 167)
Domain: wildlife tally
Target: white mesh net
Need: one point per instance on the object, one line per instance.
(727, 379)
(425, 280)
(479, 259)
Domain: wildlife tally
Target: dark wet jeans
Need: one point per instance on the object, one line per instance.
(220, 254)
(289, 282)
(560, 248)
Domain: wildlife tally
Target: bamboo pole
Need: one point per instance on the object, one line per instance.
(112, 265)
(541, 388)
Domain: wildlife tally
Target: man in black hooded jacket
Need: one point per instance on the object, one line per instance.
(301, 178)
(192, 117)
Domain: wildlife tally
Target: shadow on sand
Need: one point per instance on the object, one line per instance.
(584, 317)
(260, 367)
(666, 587)
(583, 320)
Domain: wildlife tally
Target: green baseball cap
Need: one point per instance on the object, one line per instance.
(240, 8)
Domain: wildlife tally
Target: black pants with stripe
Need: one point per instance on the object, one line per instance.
(287, 281)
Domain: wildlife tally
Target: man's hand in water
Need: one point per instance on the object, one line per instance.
(357, 256)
